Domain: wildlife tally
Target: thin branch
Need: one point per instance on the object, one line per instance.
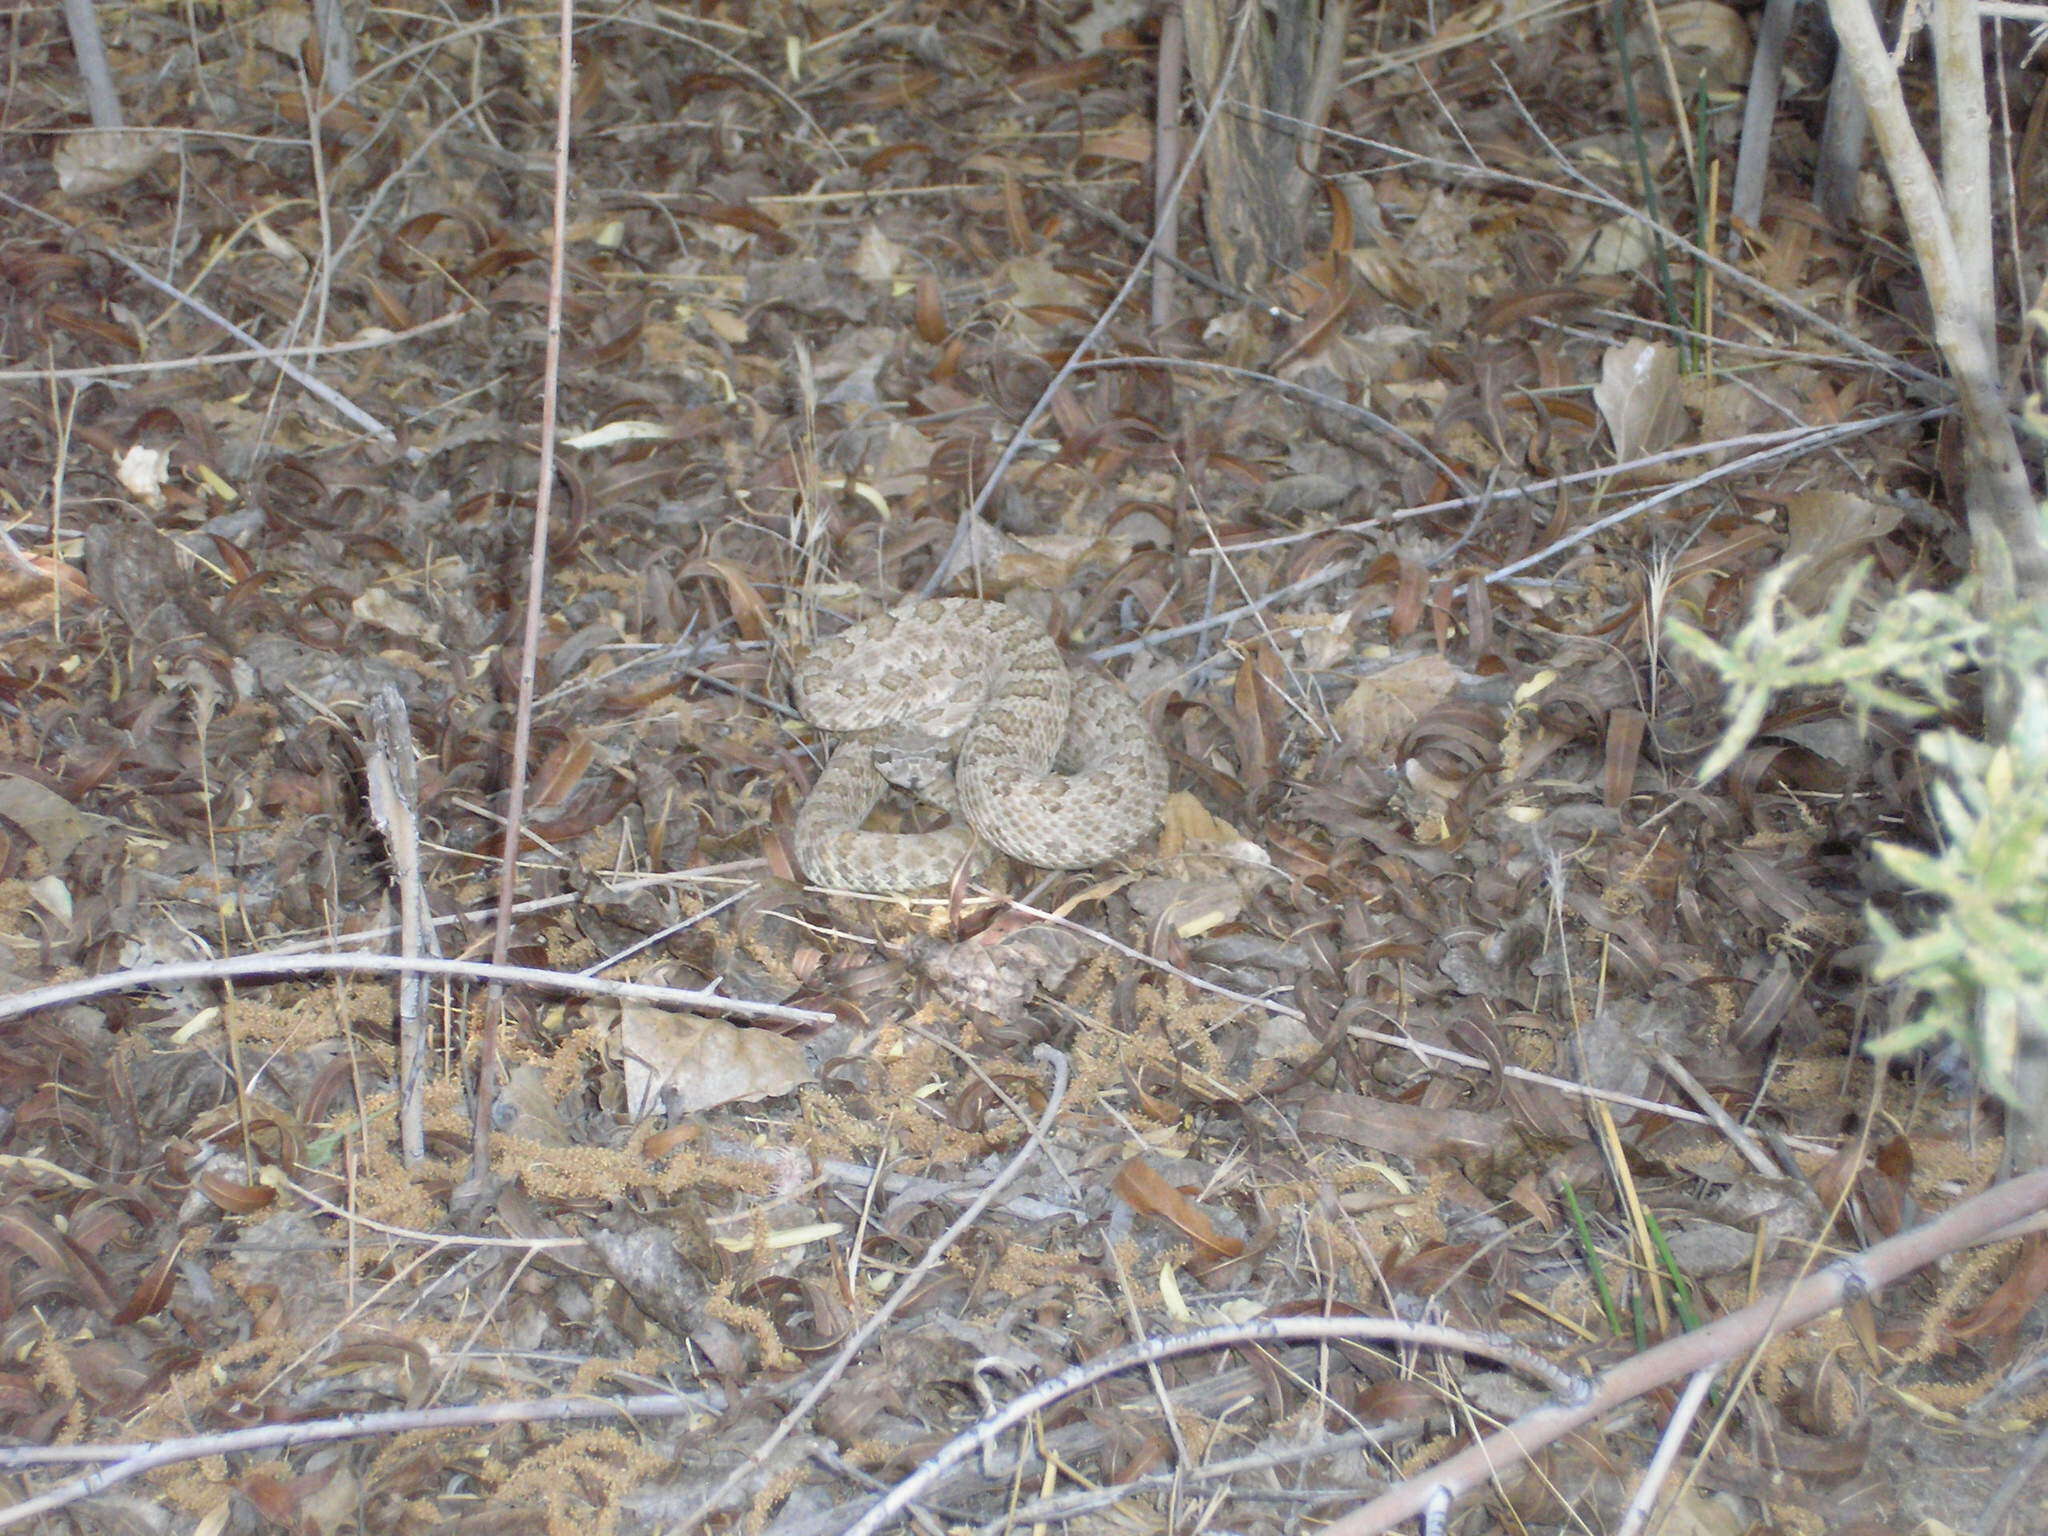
(1968, 1222)
(2004, 524)
(1599, 197)
(277, 359)
(473, 970)
(1644, 1504)
(1966, 157)
(1760, 112)
(2012, 1485)
(102, 100)
(1258, 1331)
(1435, 1053)
(357, 1426)
(1166, 163)
(1781, 449)
(255, 354)
(1792, 438)
(491, 1023)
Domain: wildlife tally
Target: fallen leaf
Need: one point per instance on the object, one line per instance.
(90, 161)
(54, 822)
(1377, 714)
(1145, 1191)
(1638, 397)
(1829, 531)
(699, 1063)
(877, 259)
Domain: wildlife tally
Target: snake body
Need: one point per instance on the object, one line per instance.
(971, 705)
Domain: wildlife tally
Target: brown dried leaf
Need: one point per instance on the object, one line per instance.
(233, 1196)
(1829, 531)
(37, 1241)
(931, 311)
(1256, 715)
(2002, 1313)
(270, 1498)
(1377, 715)
(56, 825)
(1145, 1191)
(749, 608)
(1638, 397)
(1625, 731)
(153, 1291)
(1411, 592)
(702, 1062)
(1398, 1397)
(559, 772)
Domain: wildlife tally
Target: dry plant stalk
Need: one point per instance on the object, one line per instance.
(1256, 204)
(1949, 223)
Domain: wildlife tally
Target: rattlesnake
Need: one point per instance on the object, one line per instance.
(1050, 766)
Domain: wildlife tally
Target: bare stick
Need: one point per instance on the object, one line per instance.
(1644, 1503)
(337, 50)
(2012, 1486)
(255, 354)
(1760, 111)
(474, 970)
(1165, 163)
(1966, 156)
(536, 590)
(1968, 1222)
(394, 784)
(356, 1426)
(1842, 138)
(2004, 526)
(101, 99)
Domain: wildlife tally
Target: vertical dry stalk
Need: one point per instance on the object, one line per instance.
(536, 591)
(1950, 227)
(1951, 235)
(1259, 176)
(1165, 164)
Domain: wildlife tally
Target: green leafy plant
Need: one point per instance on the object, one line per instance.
(1976, 968)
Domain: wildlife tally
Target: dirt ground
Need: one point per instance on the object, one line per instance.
(1445, 994)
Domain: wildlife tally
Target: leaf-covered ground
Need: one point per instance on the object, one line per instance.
(1415, 1008)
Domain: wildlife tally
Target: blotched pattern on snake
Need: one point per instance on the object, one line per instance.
(970, 705)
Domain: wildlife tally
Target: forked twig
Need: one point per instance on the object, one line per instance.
(277, 359)
(1263, 1330)
(1435, 1054)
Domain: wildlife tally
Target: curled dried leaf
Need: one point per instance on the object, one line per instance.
(1145, 1191)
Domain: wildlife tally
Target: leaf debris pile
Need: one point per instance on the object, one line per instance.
(1435, 864)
